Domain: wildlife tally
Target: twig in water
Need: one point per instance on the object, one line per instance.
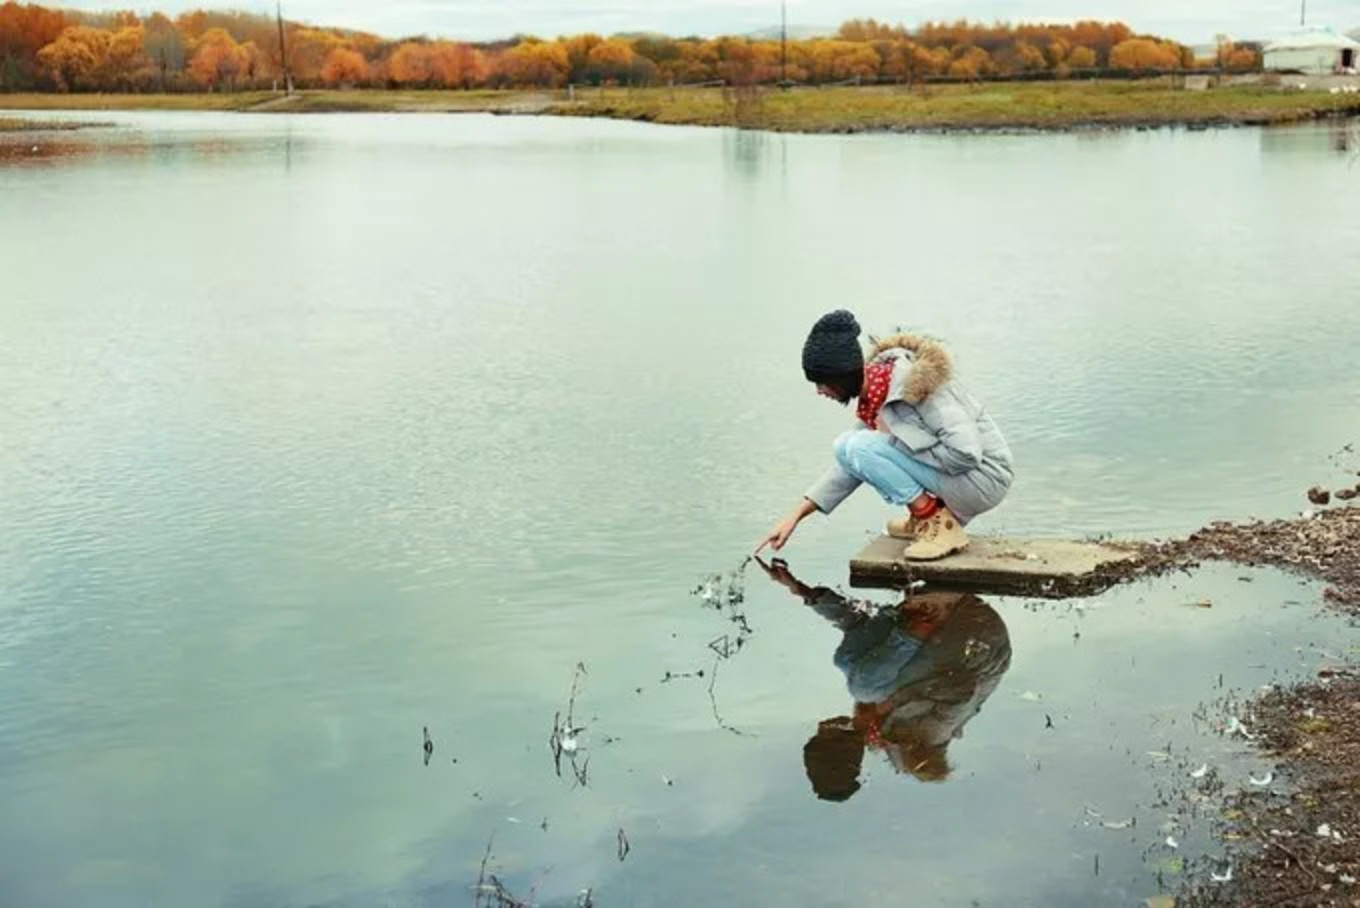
(492, 893)
(582, 772)
(676, 676)
(713, 701)
(429, 746)
(624, 847)
(481, 874)
(562, 740)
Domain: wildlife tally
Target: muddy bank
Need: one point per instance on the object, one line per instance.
(1300, 849)
(968, 125)
(1303, 848)
(1323, 546)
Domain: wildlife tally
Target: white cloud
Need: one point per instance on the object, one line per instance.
(481, 19)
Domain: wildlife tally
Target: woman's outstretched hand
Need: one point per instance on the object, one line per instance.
(778, 536)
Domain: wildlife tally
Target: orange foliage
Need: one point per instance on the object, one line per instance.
(218, 60)
(344, 67)
(74, 59)
(536, 63)
(971, 63)
(214, 50)
(1081, 58)
(411, 64)
(1145, 53)
(459, 65)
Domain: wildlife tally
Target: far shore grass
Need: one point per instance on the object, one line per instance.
(986, 106)
(15, 124)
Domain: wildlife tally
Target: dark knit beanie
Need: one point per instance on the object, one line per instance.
(832, 349)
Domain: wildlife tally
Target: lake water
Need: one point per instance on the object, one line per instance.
(317, 431)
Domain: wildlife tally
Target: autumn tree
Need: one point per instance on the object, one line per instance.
(542, 64)
(126, 66)
(1025, 57)
(163, 46)
(610, 60)
(218, 60)
(75, 58)
(24, 31)
(412, 64)
(1081, 58)
(1144, 53)
(344, 67)
(971, 63)
(578, 48)
(458, 65)
(838, 61)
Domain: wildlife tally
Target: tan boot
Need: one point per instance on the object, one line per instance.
(938, 535)
(903, 527)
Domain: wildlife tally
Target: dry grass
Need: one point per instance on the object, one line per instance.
(1053, 105)
(12, 124)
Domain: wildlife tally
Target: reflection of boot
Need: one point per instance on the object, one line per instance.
(903, 527)
(938, 535)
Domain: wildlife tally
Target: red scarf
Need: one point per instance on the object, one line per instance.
(877, 378)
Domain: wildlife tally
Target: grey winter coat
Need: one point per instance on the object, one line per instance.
(933, 420)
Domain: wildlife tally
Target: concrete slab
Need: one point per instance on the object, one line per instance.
(997, 564)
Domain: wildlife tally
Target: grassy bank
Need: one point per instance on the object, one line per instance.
(12, 124)
(1052, 105)
(971, 107)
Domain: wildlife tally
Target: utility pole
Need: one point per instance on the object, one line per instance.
(283, 54)
(784, 43)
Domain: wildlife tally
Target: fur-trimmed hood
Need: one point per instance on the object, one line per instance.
(931, 365)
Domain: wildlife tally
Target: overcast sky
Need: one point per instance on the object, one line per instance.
(1190, 21)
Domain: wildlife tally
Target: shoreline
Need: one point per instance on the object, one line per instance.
(11, 125)
(987, 108)
(1300, 846)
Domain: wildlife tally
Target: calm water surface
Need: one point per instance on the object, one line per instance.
(316, 431)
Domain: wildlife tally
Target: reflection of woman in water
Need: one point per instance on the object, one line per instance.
(918, 672)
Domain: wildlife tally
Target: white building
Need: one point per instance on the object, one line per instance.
(1314, 52)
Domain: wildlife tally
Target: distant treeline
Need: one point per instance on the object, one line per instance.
(44, 49)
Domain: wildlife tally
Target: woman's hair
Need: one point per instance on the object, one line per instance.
(832, 759)
(847, 385)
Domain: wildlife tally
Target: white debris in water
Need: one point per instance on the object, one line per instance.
(1225, 877)
(1117, 824)
(1171, 842)
(1347, 879)
(1031, 696)
(569, 745)
(1235, 727)
(1261, 783)
(1201, 772)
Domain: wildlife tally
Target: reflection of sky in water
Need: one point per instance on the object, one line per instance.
(298, 459)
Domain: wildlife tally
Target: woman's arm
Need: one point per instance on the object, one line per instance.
(778, 536)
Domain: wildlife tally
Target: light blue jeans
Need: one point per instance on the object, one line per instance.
(872, 457)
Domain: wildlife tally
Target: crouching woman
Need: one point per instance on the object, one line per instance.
(920, 439)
